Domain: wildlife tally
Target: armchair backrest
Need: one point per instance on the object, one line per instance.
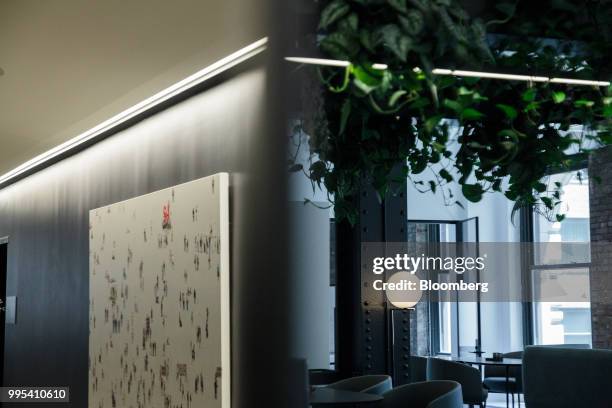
(371, 384)
(567, 377)
(428, 394)
(467, 376)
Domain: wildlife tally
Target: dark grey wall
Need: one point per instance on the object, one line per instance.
(45, 215)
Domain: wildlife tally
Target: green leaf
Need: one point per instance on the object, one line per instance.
(432, 122)
(584, 103)
(433, 186)
(364, 87)
(419, 103)
(296, 167)
(464, 91)
(453, 105)
(395, 97)
(446, 175)
(418, 165)
(339, 46)
(413, 23)
(531, 106)
(496, 186)
(558, 97)
(472, 192)
(350, 23)
(529, 95)
(539, 187)
(397, 42)
(333, 12)
(399, 5)
(508, 110)
(368, 39)
(471, 114)
(318, 170)
(369, 76)
(560, 217)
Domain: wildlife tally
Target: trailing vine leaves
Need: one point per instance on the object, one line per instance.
(378, 124)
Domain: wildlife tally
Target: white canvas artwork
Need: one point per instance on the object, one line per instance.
(159, 299)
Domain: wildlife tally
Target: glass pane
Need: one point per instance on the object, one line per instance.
(468, 327)
(468, 311)
(562, 322)
(448, 233)
(559, 321)
(332, 293)
(437, 319)
(444, 319)
(575, 207)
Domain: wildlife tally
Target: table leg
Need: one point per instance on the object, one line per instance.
(507, 385)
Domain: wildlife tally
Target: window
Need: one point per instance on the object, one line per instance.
(452, 325)
(332, 294)
(563, 268)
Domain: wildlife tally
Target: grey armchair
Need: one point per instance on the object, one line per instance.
(428, 394)
(371, 384)
(322, 376)
(469, 377)
(569, 346)
(567, 378)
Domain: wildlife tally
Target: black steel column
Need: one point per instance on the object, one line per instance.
(398, 321)
(365, 340)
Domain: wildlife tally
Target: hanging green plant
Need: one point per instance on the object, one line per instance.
(384, 123)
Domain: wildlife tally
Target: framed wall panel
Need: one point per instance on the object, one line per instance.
(159, 299)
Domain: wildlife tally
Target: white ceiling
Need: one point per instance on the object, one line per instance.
(70, 64)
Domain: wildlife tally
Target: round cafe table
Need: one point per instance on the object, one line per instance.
(328, 396)
(482, 361)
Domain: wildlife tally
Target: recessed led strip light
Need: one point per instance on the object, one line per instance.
(492, 75)
(460, 73)
(511, 77)
(329, 62)
(578, 82)
(191, 81)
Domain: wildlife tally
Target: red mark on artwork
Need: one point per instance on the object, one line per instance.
(166, 216)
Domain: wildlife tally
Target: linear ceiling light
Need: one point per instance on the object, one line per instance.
(492, 75)
(191, 81)
(460, 73)
(579, 82)
(329, 62)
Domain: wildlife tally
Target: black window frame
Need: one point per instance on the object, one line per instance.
(527, 234)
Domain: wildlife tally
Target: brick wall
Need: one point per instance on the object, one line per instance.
(600, 166)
